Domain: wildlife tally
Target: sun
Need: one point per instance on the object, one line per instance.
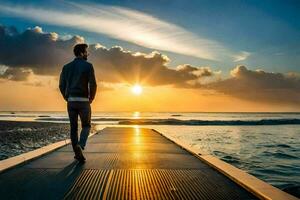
(137, 89)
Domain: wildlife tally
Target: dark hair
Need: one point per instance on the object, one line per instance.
(79, 48)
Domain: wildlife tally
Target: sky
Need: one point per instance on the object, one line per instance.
(193, 56)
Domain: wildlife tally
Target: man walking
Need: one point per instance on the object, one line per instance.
(78, 86)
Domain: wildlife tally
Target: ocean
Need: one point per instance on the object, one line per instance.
(266, 145)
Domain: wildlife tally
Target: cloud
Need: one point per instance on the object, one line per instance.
(43, 53)
(124, 24)
(34, 52)
(117, 65)
(15, 74)
(46, 53)
(241, 56)
(3, 68)
(201, 72)
(260, 86)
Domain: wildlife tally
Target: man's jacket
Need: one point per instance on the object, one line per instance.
(77, 79)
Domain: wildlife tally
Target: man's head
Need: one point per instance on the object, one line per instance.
(80, 51)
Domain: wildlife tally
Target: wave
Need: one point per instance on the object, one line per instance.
(172, 121)
(193, 122)
(67, 119)
(277, 145)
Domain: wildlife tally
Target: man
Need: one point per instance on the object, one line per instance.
(78, 86)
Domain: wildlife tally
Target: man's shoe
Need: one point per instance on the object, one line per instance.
(78, 154)
(79, 159)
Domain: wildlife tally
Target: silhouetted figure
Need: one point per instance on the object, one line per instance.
(78, 86)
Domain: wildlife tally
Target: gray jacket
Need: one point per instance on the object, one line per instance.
(77, 79)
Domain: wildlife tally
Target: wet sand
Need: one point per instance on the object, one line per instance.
(21, 137)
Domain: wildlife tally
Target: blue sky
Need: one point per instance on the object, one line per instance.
(258, 34)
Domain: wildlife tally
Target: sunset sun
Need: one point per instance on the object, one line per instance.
(137, 89)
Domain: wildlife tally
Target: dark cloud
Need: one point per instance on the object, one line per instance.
(45, 54)
(42, 52)
(202, 71)
(260, 86)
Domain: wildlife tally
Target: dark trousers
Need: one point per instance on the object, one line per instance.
(83, 109)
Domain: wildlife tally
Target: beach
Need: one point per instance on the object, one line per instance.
(18, 137)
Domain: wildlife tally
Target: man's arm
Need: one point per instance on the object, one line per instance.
(92, 84)
(62, 83)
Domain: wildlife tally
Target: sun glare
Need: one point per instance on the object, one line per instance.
(137, 89)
